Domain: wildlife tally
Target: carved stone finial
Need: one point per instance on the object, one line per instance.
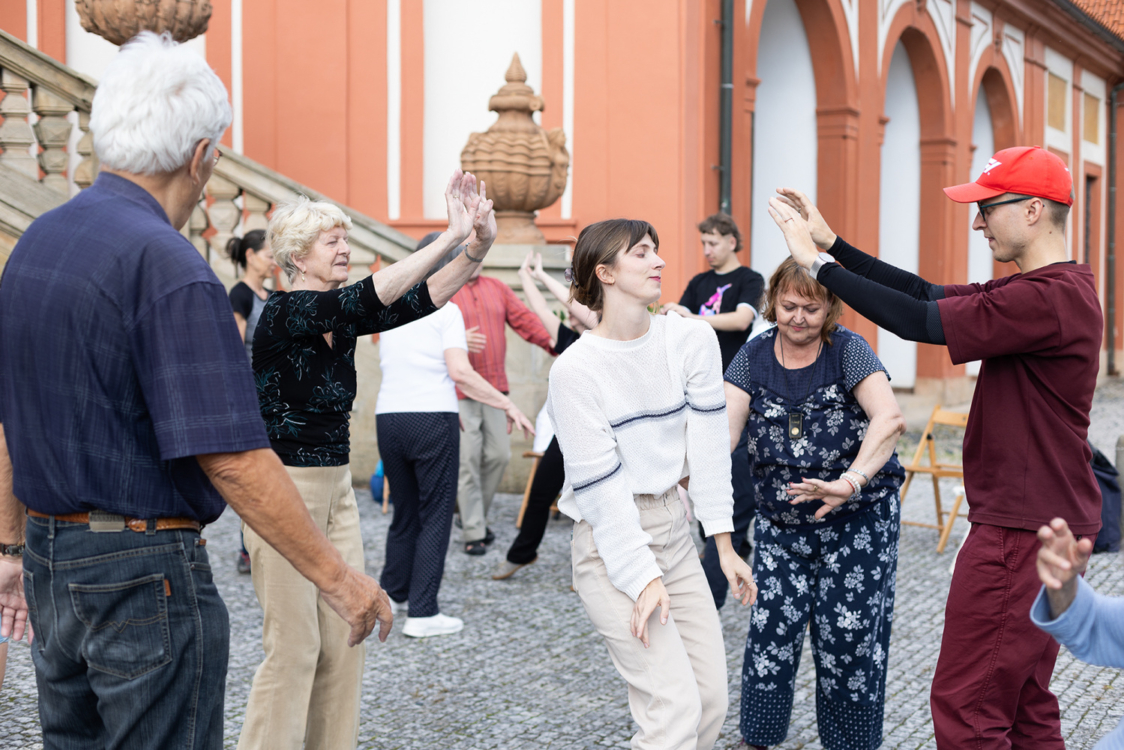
(515, 72)
(524, 166)
(121, 20)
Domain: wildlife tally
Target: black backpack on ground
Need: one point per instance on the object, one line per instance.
(1108, 540)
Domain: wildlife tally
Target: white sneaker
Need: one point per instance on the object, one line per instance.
(396, 607)
(424, 627)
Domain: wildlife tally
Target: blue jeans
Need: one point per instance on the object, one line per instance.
(745, 508)
(131, 637)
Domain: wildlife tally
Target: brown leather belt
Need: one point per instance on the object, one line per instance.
(112, 522)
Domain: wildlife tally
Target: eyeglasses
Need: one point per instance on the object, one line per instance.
(984, 207)
(218, 155)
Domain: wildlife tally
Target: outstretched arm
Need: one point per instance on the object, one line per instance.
(536, 301)
(898, 312)
(852, 258)
(577, 310)
(473, 206)
(477, 388)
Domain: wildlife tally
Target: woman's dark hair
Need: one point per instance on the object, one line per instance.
(236, 247)
(598, 245)
(791, 277)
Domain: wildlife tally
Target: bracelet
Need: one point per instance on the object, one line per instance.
(474, 260)
(853, 470)
(854, 486)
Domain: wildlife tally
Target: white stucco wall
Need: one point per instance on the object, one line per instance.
(784, 134)
(980, 267)
(900, 202)
(90, 54)
(468, 48)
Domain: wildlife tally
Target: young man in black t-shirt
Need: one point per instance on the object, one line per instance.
(726, 297)
(728, 294)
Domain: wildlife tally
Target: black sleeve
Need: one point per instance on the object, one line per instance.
(242, 299)
(753, 289)
(869, 267)
(898, 312)
(566, 336)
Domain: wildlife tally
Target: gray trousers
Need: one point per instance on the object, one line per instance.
(485, 453)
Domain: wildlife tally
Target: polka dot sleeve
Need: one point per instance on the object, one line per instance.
(859, 361)
(738, 371)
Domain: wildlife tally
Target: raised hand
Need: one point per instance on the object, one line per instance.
(795, 229)
(461, 214)
(1061, 558)
(525, 266)
(484, 221)
(539, 272)
(654, 595)
(817, 227)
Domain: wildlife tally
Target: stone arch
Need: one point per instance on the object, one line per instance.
(836, 103)
(994, 77)
(913, 27)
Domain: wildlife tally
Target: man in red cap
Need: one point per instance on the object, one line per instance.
(1026, 458)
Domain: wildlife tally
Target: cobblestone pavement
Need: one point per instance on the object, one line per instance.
(528, 670)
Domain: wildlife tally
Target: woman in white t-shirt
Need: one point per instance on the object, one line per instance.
(417, 425)
(637, 405)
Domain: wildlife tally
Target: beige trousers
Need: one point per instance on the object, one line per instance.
(677, 688)
(485, 453)
(307, 688)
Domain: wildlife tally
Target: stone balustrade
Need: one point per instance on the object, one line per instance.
(47, 156)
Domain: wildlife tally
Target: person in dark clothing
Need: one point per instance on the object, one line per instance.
(726, 297)
(1026, 456)
(550, 474)
(254, 257)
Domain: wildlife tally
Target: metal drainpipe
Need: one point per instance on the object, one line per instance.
(1111, 260)
(726, 106)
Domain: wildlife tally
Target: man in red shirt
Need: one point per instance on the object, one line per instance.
(488, 304)
(1026, 459)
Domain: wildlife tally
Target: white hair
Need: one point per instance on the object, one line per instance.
(295, 227)
(156, 101)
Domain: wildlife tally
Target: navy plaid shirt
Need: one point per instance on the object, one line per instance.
(119, 362)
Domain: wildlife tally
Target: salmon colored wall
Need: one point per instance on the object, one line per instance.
(52, 28)
(13, 18)
(219, 51)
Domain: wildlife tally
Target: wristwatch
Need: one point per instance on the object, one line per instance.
(12, 550)
(818, 263)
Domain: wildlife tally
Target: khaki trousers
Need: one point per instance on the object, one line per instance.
(677, 688)
(485, 453)
(307, 688)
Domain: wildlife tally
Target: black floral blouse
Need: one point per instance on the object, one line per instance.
(306, 387)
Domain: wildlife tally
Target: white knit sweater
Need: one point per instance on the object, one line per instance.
(633, 418)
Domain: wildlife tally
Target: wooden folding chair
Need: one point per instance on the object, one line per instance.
(535, 457)
(385, 495)
(937, 471)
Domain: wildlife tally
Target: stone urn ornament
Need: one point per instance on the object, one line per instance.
(121, 20)
(524, 166)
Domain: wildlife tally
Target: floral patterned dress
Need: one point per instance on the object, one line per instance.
(836, 573)
(306, 387)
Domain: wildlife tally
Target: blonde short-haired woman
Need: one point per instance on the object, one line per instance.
(307, 688)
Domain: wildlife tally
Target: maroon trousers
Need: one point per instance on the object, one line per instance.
(991, 688)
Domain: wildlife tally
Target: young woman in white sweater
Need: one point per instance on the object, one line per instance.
(637, 405)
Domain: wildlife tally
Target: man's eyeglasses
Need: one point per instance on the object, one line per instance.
(983, 207)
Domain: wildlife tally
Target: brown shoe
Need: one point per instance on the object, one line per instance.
(507, 569)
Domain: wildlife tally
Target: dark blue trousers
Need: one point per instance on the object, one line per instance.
(841, 579)
(745, 508)
(421, 457)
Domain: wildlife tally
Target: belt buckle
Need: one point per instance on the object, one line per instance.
(100, 521)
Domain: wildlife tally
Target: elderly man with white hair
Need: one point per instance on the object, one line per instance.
(130, 416)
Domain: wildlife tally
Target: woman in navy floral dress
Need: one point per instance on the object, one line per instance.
(823, 423)
(306, 691)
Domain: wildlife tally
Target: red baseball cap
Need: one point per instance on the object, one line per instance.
(1024, 170)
